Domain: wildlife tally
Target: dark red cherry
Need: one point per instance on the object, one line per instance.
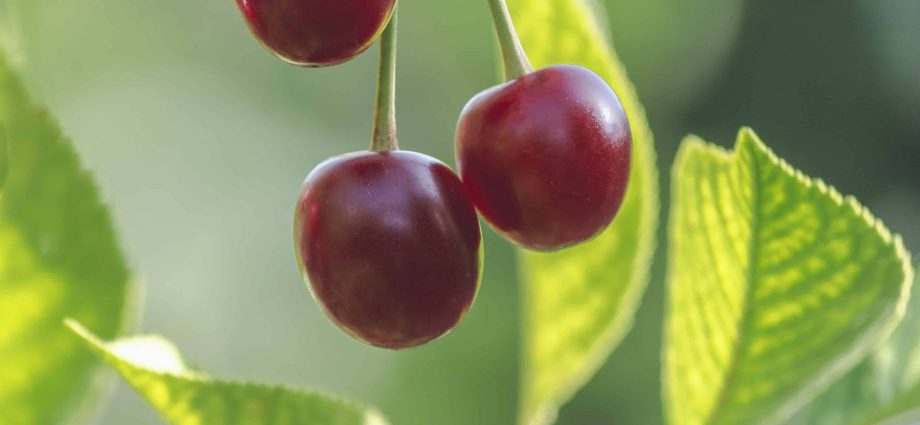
(316, 32)
(545, 157)
(390, 245)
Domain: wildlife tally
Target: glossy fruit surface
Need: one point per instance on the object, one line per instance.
(316, 32)
(390, 245)
(546, 157)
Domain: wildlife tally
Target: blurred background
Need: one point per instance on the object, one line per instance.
(200, 141)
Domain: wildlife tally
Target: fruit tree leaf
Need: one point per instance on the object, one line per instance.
(183, 396)
(4, 156)
(579, 303)
(58, 257)
(777, 286)
(884, 388)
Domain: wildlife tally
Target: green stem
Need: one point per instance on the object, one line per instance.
(384, 135)
(516, 62)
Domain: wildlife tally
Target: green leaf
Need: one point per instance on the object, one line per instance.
(183, 396)
(777, 286)
(4, 156)
(884, 388)
(579, 303)
(58, 258)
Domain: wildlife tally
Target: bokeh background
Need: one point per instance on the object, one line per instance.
(200, 141)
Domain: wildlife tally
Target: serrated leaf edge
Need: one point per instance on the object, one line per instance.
(81, 408)
(98, 347)
(748, 139)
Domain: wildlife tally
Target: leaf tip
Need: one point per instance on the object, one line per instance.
(374, 417)
(84, 334)
(691, 146)
(75, 326)
(748, 139)
(748, 133)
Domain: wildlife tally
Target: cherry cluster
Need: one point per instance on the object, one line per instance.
(389, 240)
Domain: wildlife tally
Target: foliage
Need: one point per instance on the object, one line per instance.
(58, 257)
(777, 285)
(183, 396)
(579, 303)
(781, 296)
(884, 388)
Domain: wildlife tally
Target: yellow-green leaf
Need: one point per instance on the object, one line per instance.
(884, 389)
(579, 303)
(183, 396)
(777, 285)
(4, 156)
(58, 258)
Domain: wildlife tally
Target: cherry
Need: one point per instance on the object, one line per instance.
(316, 32)
(546, 156)
(390, 244)
(388, 240)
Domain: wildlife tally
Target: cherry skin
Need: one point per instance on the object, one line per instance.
(546, 157)
(316, 33)
(390, 245)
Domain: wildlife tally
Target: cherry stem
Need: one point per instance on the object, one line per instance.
(513, 56)
(384, 135)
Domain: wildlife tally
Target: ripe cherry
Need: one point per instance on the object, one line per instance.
(545, 157)
(390, 244)
(316, 32)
